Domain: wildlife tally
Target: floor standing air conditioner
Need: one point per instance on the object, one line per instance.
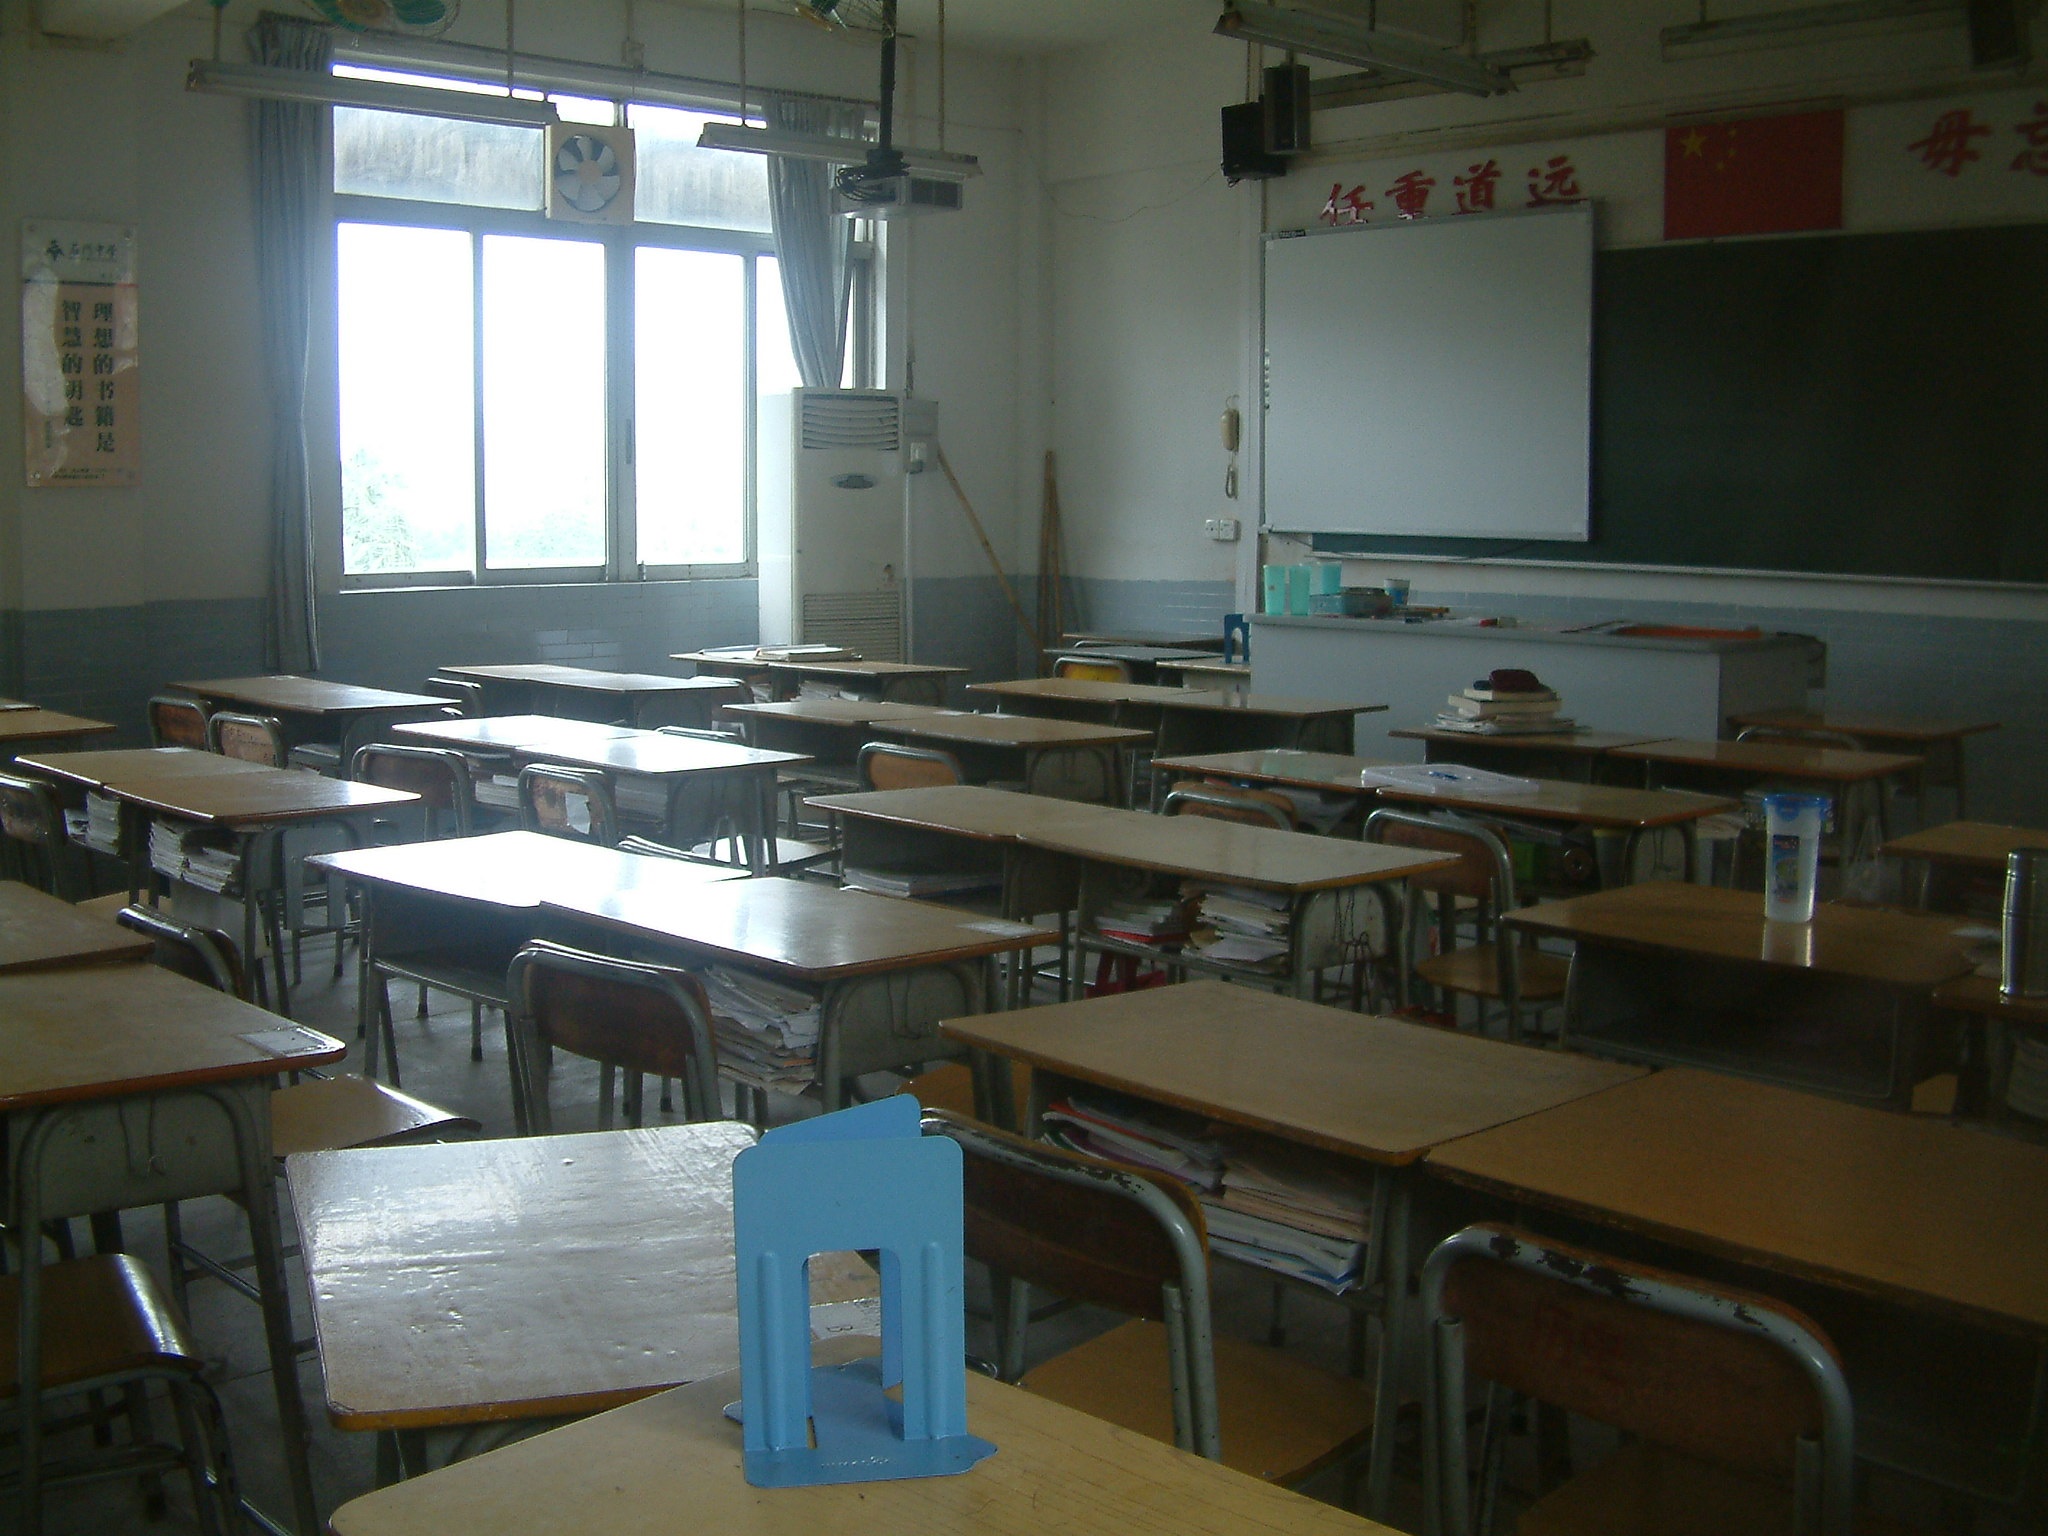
(833, 559)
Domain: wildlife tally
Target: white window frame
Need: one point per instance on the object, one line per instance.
(621, 563)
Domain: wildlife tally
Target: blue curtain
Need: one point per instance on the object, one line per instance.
(813, 243)
(291, 215)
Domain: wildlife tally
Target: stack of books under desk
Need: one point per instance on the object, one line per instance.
(1265, 1204)
(767, 1033)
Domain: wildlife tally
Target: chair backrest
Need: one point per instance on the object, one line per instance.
(1092, 669)
(1099, 1233)
(553, 798)
(204, 955)
(438, 775)
(1724, 1375)
(884, 765)
(176, 721)
(469, 695)
(1254, 807)
(648, 1020)
(1800, 736)
(1483, 872)
(32, 818)
(696, 708)
(252, 738)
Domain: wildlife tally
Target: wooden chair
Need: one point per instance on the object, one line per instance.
(629, 1017)
(468, 696)
(313, 1114)
(1500, 968)
(1134, 1242)
(176, 721)
(1092, 669)
(1736, 1405)
(552, 797)
(1253, 807)
(884, 765)
(950, 1087)
(40, 847)
(103, 1327)
(252, 738)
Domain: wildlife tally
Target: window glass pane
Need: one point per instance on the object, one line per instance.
(584, 109)
(678, 183)
(775, 363)
(408, 425)
(690, 391)
(435, 159)
(544, 417)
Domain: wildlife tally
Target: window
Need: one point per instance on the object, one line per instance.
(527, 400)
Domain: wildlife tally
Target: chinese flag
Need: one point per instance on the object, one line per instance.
(1755, 176)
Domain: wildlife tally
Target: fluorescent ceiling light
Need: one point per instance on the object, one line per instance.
(832, 150)
(1808, 24)
(222, 78)
(1298, 32)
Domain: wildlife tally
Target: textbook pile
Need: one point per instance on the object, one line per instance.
(1506, 702)
(767, 1034)
(1264, 1203)
(1239, 925)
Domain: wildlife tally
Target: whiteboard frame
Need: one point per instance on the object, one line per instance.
(1567, 352)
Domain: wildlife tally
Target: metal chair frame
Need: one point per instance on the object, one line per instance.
(165, 708)
(1503, 899)
(1824, 1467)
(1202, 800)
(1184, 1303)
(533, 1043)
(892, 751)
(268, 727)
(594, 786)
(32, 820)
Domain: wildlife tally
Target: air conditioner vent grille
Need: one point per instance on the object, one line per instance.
(851, 418)
(868, 622)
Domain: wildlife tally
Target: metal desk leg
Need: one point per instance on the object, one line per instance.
(367, 1020)
(1392, 1242)
(1689, 832)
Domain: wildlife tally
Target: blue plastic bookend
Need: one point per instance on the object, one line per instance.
(862, 1179)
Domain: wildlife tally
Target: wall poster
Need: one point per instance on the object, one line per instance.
(79, 371)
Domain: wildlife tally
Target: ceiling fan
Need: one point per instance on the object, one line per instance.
(414, 18)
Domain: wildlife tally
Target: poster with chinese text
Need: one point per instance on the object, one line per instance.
(80, 391)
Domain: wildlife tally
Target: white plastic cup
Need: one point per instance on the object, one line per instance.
(1397, 589)
(1792, 825)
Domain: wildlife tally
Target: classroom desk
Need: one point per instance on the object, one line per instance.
(461, 908)
(1959, 852)
(1228, 676)
(1939, 742)
(1187, 719)
(1693, 975)
(1090, 639)
(585, 692)
(630, 1472)
(1578, 755)
(310, 708)
(1926, 1216)
(1141, 661)
(95, 770)
(600, 1273)
(92, 1058)
(254, 809)
(1076, 698)
(40, 933)
(897, 682)
(885, 970)
(684, 768)
(26, 730)
(1851, 778)
(1061, 759)
(1095, 851)
(830, 732)
(2009, 1085)
(1380, 1092)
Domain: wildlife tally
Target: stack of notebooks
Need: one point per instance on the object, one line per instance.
(192, 856)
(636, 796)
(1506, 702)
(922, 884)
(1239, 925)
(1265, 1203)
(825, 688)
(767, 1034)
(1157, 924)
(98, 826)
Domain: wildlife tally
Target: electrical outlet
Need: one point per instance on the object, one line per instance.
(1222, 529)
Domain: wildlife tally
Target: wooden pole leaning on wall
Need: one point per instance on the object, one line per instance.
(1052, 618)
(988, 549)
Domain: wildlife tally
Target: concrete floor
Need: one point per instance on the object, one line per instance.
(435, 1056)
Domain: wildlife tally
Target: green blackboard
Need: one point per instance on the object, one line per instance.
(1869, 405)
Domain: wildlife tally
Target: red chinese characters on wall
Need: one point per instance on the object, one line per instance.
(1949, 144)
(1476, 187)
(1346, 207)
(1410, 194)
(1555, 181)
(2034, 158)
